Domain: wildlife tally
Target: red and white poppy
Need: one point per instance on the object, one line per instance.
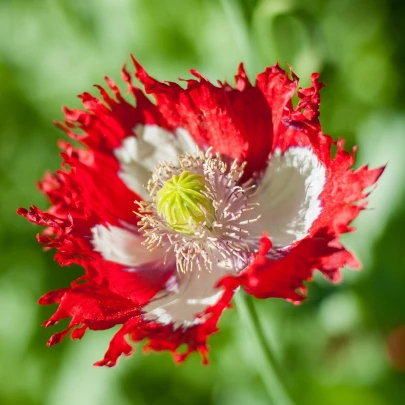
(233, 186)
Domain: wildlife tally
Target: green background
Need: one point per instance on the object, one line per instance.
(333, 348)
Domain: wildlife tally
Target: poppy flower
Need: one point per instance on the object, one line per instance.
(171, 205)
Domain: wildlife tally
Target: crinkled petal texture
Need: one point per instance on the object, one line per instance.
(307, 199)
(311, 196)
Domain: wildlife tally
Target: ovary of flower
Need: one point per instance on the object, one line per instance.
(183, 202)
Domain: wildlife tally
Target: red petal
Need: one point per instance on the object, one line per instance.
(342, 199)
(235, 122)
(92, 307)
(278, 90)
(284, 277)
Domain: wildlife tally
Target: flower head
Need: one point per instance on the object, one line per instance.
(232, 187)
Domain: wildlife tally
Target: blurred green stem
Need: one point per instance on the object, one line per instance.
(266, 364)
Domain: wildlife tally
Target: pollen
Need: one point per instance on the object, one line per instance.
(184, 203)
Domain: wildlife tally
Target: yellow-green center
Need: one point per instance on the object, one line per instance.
(183, 202)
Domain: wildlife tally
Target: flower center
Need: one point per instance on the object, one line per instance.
(183, 203)
(199, 213)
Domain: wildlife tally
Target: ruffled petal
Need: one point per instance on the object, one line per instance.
(166, 338)
(345, 190)
(278, 89)
(283, 275)
(74, 247)
(93, 307)
(236, 122)
(339, 193)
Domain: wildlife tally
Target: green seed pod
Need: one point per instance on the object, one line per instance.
(182, 203)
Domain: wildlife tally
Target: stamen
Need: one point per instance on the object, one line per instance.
(197, 212)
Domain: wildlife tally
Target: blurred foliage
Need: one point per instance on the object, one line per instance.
(333, 348)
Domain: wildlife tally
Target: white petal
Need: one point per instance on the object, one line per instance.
(289, 196)
(185, 297)
(123, 246)
(140, 154)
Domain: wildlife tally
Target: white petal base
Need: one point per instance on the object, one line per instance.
(122, 246)
(186, 297)
(289, 196)
(140, 154)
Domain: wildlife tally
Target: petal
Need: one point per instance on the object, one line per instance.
(164, 337)
(87, 191)
(95, 307)
(123, 246)
(289, 195)
(99, 191)
(235, 122)
(336, 195)
(106, 122)
(140, 154)
(278, 89)
(186, 297)
(90, 305)
(284, 276)
(101, 127)
(345, 190)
